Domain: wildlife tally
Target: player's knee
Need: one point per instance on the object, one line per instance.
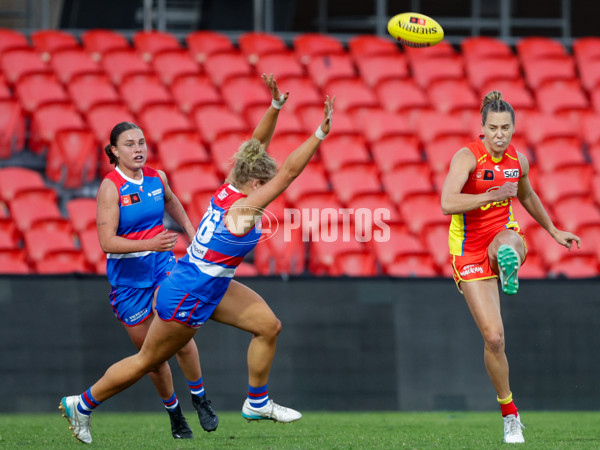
(494, 341)
(271, 328)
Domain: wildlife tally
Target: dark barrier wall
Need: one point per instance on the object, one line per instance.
(347, 344)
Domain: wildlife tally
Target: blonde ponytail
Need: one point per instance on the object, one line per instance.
(252, 162)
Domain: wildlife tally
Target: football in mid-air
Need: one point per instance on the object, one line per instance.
(415, 30)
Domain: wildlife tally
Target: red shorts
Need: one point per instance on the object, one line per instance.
(476, 266)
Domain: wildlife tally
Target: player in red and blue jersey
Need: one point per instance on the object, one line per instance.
(485, 240)
(132, 201)
(200, 286)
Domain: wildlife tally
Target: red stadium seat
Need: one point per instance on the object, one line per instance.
(46, 42)
(103, 117)
(151, 42)
(406, 180)
(198, 205)
(180, 148)
(213, 120)
(12, 127)
(255, 45)
(311, 117)
(99, 41)
(560, 97)
(376, 124)
(18, 62)
(399, 242)
(351, 93)
(62, 262)
(354, 264)
(378, 208)
(357, 179)
(202, 44)
(375, 69)
(159, 119)
(421, 266)
(576, 266)
(90, 90)
(282, 145)
(90, 246)
(590, 238)
(434, 124)
(393, 151)
(120, 63)
(367, 45)
(339, 150)
(484, 70)
(532, 268)
(536, 47)
(193, 178)
(304, 92)
(36, 89)
(317, 204)
(312, 180)
(32, 206)
(420, 210)
(565, 182)
(427, 70)
(190, 91)
(283, 65)
(559, 152)
(13, 261)
(223, 147)
(544, 70)
(401, 96)
(9, 235)
(514, 92)
(72, 158)
(139, 91)
(82, 213)
(452, 96)
(525, 221)
(281, 252)
(435, 238)
(309, 45)
(440, 151)
(14, 180)
(586, 49)
(242, 92)
(175, 63)
(589, 74)
(442, 50)
(221, 66)
(48, 119)
(245, 269)
(541, 127)
(39, 242)
(287, 122)
(70, 63)
(325, 68)
(333, 239)
(12, 39)
(481, 47)
(576, 212)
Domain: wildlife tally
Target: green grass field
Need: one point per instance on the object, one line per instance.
(316, 430)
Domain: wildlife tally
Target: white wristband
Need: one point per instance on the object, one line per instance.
(319, 133)
(277, 104)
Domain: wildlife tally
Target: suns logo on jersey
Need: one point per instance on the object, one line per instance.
(511, 173)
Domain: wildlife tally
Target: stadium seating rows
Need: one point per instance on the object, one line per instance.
(400, 116)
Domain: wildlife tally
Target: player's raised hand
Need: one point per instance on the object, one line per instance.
(272, 85)
(327, 114)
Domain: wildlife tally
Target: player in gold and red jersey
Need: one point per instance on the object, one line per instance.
(485, 240)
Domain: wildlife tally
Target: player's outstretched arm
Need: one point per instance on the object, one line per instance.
(265, 128)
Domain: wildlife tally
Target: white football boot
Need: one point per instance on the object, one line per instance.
(79, 423)
(271, 411)
(513, 430)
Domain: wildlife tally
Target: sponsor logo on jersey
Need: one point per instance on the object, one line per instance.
(488, 175)
(478, 174)
(131, 199)
(222, 194)
(470, 269)
(511, 173)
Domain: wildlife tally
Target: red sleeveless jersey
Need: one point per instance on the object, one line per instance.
(472, 232)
